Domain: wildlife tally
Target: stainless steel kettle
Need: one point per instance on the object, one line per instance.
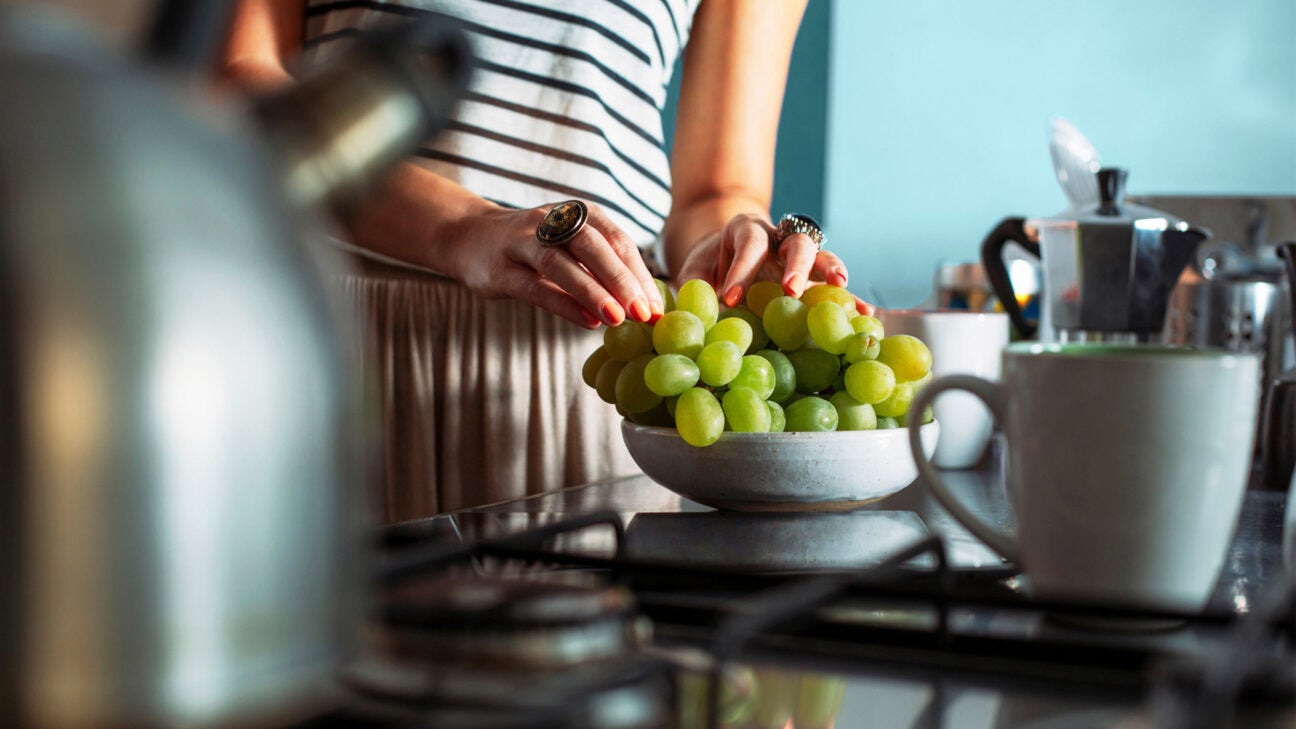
(180, 496)
(1277, 436)
(1108, 267)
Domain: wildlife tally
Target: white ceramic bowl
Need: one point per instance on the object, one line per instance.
(780, 471)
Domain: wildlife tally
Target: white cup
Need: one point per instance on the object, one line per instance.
(961, 343)
(1127, 467)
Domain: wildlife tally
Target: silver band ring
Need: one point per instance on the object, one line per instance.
(562, 223)
(798, 223)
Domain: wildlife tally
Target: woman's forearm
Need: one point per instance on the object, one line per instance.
(697, 219)
(417, 216)
(722, 164)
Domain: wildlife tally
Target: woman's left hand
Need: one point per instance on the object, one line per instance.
(747, 249)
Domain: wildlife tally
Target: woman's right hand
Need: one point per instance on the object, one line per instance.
(596, 277)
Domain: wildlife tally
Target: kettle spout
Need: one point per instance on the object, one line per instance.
(345, 122)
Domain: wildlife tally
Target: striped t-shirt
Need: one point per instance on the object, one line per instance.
(565, 102)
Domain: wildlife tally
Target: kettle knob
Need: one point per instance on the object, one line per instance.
(1111, 189)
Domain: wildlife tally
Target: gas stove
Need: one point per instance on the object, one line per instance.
(564, 626)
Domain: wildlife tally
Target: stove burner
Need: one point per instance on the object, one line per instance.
(515, 624)
(491, 647)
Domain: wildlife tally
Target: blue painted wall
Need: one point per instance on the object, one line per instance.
(938, 115)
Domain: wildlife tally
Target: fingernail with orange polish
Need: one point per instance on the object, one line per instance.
(733, 295)
(792, 286)
(591, 321)
(837, 277)
(639, 310)
(613, 314)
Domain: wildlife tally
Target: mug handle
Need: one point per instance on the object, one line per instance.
(995, 397)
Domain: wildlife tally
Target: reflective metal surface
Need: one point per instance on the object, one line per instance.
(1109, 268)
(179, 462)
(779, 682)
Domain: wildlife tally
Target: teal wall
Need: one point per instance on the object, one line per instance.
(939, 113)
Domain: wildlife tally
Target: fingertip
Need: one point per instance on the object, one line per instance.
(613, 314)
(793, 285)
(865, 307)
(837, 277)
(733, 296)
(639, 310)
(590, 321)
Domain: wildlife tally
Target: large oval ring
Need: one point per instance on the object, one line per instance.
(562, 223)
(798, 223)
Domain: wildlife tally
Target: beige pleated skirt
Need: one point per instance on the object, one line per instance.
(481, 400)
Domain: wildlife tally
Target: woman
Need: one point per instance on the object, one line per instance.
(481, 360)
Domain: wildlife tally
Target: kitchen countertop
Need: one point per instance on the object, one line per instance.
(662, 525)
(1254, 559)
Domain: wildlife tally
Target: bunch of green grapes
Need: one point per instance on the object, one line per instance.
(771, 364)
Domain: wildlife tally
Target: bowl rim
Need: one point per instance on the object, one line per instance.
(730, 436)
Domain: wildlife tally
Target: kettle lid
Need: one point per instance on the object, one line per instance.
(1112, 208)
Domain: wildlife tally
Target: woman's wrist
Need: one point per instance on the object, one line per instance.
(700, 224)
(420, 218)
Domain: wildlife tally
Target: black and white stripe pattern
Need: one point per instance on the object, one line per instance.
(566, 101)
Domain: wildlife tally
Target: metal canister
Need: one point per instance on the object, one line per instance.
(1237, 313)
(962, 286)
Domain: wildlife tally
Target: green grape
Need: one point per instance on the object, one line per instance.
(699, 418)
(776, 699)
(828, 326)
(698, 298)
(679, 332)
(885, 423)
(628, 340)
(659, 417)
(870, 381)
(853, 414)
(759, 338)
(868, 325)
(844, 299)
(761, 293)
(733, 329)
(898, 403)
(606, 379)
(719, 362)
(756, 373)
(927, 416)
(862, 346)
(815, 369)
(670, 374)
(785, 322)
(839, 384)
(923, 381)
(784, 374)
(906, 355)
(811, 414)
(745, 411)
(820, 701)
(589, 370)
(632, 393)
(778, 421)
(668, 297)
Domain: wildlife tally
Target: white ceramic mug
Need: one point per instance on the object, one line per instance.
(1126, 465)
(961, 343)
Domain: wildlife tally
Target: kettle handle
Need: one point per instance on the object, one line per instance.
(1287, 252)
(1008, 229)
